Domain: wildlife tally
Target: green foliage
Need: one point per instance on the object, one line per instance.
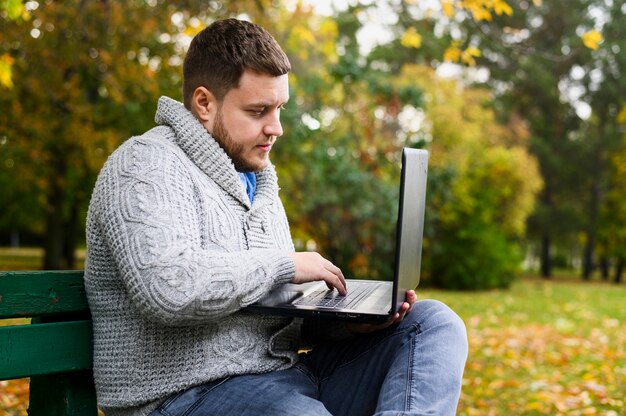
(540, 69)
(482, 185)
(338, 161)
(348, 211)
(473, 258)
(348, 117)
(85, 77)
(12, 8)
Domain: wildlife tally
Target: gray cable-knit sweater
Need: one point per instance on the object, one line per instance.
(174, 251)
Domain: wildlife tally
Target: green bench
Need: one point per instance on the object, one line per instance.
(55, 349)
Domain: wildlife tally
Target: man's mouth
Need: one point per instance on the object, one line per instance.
(265, 147)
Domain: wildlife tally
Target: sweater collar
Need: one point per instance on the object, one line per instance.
(208, 155)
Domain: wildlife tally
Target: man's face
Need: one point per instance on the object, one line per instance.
(247, 121)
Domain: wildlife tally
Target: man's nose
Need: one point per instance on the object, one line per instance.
(274, 127)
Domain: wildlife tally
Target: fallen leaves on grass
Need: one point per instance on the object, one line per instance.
(14, 397)
(573, 365)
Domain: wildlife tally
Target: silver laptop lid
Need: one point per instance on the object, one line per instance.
(410, 227)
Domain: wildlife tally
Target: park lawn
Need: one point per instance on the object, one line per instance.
(543, 348)
(540, 348)
(29, 258)
(20, 258)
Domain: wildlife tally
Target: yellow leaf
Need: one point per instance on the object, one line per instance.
(537, 3)
(621, 117)
(501, 7)
(192, 31)
(467, 56)
(303, 34)
(592, 39)
(411, 39)
(452, 54)
(472, 51)
(534, 406)
(448, 8)
(478, 10)
(6, 78)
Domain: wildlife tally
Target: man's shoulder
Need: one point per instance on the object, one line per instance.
(150, 148)
(157, 138)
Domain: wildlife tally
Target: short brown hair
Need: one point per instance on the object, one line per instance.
(221, 52)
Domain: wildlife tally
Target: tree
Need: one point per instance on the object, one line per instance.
(348, 118)
(531, 57)
(482, 187)
(363, 111)
(85, 77)
(339, 160)
(602, 79)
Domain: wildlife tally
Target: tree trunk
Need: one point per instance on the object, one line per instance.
(15, 238)
(605, 267)
(546, 238)
(619, 268)
(588, 265)
(546, 262)
(53, 240)
(71, 234)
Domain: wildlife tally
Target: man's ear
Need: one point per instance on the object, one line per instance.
(204, 106)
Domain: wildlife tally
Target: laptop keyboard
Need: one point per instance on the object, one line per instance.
(326, 298)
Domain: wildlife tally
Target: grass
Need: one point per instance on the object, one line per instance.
(28, 258)
(541, 348)
(20, 258)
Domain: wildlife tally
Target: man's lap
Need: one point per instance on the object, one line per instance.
(339, 378)
(286, 392)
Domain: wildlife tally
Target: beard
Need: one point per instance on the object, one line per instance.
(233, 149)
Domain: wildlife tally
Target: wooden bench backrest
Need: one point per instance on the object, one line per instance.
(55, 349)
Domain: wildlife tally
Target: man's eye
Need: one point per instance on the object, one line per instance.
(257, 111)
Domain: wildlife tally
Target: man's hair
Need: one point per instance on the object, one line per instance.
(221, 52)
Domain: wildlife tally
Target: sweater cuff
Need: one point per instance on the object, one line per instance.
(284, 268)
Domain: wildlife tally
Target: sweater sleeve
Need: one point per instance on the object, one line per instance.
(155, 223)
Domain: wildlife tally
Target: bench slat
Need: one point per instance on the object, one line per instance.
(65, 394)
(27, 350)
(41, 293)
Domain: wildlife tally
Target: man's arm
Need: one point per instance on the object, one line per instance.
(148, 209)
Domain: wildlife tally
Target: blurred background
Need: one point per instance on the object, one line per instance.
(521, 105)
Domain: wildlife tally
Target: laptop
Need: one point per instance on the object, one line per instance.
(367, 300)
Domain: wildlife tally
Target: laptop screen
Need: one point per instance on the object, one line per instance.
(410, 226)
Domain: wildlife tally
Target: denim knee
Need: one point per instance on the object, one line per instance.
(430, 313)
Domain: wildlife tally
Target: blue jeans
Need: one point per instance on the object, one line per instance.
(413, 368)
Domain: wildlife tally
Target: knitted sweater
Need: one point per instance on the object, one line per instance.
(174, 251)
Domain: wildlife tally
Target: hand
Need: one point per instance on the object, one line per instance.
(312, 267)
(406, 306)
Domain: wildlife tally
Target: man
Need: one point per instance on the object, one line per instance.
(185, 228)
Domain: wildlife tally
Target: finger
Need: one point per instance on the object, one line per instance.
(337, 277)
(339, 284)
(411, 298)
(333, 281)
(337, 272)
(402, 312)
